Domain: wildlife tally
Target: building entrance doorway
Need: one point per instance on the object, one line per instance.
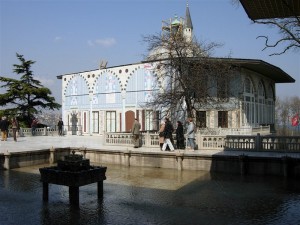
(129, 118)
(74, 121)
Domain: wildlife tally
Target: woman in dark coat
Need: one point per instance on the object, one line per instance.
(179, 136)
(168, 131)
(4, 128)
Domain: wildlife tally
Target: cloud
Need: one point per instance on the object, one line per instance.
(90, 43)
(45, 81)
(57, 39)
(106, 42)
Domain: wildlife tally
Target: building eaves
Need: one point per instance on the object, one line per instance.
(262, 67)
(259, 66)
(111, 67)
(268, 9)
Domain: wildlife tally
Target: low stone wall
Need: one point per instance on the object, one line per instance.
(11, 160)
(22, 159)
(241, 164)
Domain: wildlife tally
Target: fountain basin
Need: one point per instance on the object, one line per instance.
(73, 171)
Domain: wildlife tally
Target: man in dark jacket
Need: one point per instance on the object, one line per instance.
(4, 128)
(168, 135)
(136, 133)
(60, 125)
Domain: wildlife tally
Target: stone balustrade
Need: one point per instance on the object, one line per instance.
(264, 130)
(256, 142)
(281, 143)
(44, 131)
(263, 143)
(218, 142)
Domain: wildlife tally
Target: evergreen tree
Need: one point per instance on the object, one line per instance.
(25, 97)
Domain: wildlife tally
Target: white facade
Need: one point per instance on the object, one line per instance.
(108, 100)
(99, 101)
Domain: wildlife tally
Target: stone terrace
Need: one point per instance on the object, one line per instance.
(29, 143)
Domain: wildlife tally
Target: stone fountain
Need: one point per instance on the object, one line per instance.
(73, 171)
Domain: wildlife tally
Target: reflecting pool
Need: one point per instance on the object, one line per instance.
(152, 196)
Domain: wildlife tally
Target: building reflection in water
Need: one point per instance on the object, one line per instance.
(134, 195)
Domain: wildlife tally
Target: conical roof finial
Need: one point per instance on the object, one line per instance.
(188, 19)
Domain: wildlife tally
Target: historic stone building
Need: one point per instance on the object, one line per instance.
(109, 98)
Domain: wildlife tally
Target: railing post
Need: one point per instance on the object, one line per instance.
(147, 139)
(105, 138)
(21, 134)
(45, 131)
(200, 140)
(258, 142)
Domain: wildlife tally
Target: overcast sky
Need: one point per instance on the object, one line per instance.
(68, 36)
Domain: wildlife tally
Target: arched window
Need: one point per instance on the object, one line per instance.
(270, 105)
(248, 88)
(261, 106)
(248, 107)
(77, 93)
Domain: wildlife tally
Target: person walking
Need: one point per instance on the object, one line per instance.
(60, 125)
(33, 127)
(4, 128)
(191, 133)
(161, 134)
(136, 133)
(168, 132)
(15, 127)
(179, 136)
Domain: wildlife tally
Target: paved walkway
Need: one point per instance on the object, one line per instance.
(30, 143)
(96, 142)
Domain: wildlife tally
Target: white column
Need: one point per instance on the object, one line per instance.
(123, 94)
(91, 113)
(64, 116)
(79, 123)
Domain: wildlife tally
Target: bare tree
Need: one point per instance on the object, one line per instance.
(282, 116)
(285, 110)
(288, 28)
(189, 79)
(295, 105)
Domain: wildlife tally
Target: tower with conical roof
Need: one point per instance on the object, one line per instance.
(179, 25)
(188, 26)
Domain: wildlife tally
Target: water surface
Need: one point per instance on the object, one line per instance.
(152, 196)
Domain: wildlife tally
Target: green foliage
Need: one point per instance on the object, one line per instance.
(26, 97)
